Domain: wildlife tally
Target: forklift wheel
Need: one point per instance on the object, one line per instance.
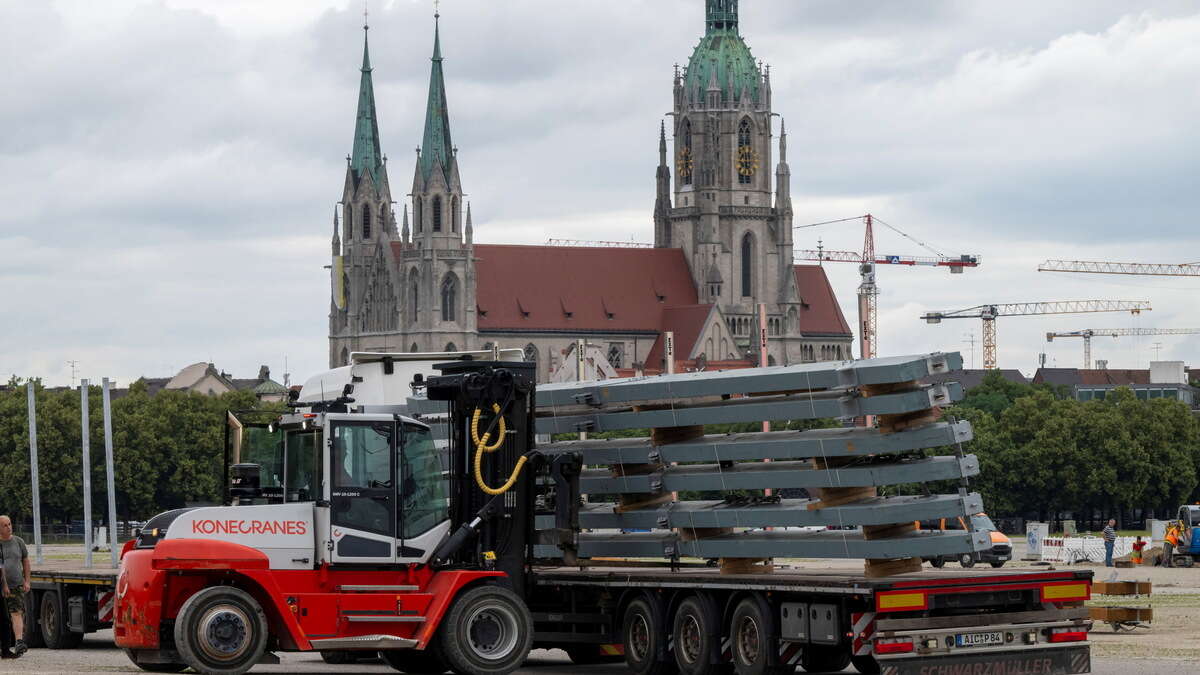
(488, 631)
(221, 630)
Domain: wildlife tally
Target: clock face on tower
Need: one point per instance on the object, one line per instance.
(683, 165)
(747, 161)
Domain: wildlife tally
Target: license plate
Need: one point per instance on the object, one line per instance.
(1001, 557)
(979, 639)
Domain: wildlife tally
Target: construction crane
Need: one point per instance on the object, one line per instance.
(1088, 333)
(868, 290)
(1102, 267)
(989, 314)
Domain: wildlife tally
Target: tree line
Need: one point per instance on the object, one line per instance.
(168, 450)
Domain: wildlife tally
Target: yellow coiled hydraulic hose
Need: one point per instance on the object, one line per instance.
(481, 447)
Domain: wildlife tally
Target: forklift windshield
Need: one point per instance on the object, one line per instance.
(269, 464)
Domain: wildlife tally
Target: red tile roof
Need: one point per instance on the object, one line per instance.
(820, 313)
(602, 289)
(686, 322)
(1114, 376)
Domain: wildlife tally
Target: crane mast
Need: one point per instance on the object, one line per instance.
(989, 314)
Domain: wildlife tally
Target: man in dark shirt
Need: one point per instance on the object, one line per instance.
(1110, 540)
(14, 581)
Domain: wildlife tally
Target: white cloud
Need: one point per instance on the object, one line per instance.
(169, 182)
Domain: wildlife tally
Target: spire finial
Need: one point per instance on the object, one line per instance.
(662, 142)
(366, 24)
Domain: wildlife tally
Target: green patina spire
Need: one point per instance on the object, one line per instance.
(436, 146)
(367, 159)
(723, 56)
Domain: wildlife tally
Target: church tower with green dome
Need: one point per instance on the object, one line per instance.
(734, 226)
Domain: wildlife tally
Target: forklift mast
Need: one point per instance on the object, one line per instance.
(492, 492)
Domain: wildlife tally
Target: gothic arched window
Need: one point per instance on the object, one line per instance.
(686, 161)
(437, 214)
(366, 221)
(450, 347)
(454, 214)
(745, 154)
(418, 214)
(531, 353)
(748, 265)
(414, 296)
(345, 357)
(449, 297)
(414, 348)
(383, 217)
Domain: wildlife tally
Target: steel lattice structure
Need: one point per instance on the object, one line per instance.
(989, 313)
(1103, 267)
(1088, 333)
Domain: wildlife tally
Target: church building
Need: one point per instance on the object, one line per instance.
(722, 244)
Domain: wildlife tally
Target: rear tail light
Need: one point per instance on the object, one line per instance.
(893, 645)
(1067, 635)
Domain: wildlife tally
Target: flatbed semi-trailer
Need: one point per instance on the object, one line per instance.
(67, 602)
(935, 621)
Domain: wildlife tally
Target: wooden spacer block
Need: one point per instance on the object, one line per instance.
(747, 565)
(890, 424)
(634, 502)
(875, 569)
(888, 531)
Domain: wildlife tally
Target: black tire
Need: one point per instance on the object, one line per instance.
(221, 630)
(53, 623)
(938, 562)
(155, 667)
(33, 631)
(488, 631)
(997, 564)
(426, 661)
(867, 665)
(752, 639)
(586, 655)
(966, 560)
(696, 632)
(644, 637)
(338, 658)
(825, 658)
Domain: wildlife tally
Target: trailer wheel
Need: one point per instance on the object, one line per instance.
(428, 661)
(488, 631)
(824, 658)
(696, 633)
(155, 667)
(966, 560)
(642, 637)
(221, 630)
(938, 562)
(33, 629)
(866, 664)
(752, 639)
(53, 622)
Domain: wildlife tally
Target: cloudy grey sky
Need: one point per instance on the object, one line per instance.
(169, 168)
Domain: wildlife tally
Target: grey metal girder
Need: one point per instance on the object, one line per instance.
(808, 376)
(796, 406)
(758, 475)
(785, 513)
(774, 445)
(776, 544)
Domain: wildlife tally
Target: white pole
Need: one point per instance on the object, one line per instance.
(669, 351)
(111, 471)
(87, 475)
(579, 372)
(33, 474)
(762, 361)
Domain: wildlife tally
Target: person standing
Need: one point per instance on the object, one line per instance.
(14, 557)
(1138, 545)
(1110, 540)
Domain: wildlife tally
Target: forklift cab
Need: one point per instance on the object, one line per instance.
(376, 481)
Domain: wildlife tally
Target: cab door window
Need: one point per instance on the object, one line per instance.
(423, 487)
(361, 468)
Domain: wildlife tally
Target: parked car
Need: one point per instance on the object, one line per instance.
(996, 556)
